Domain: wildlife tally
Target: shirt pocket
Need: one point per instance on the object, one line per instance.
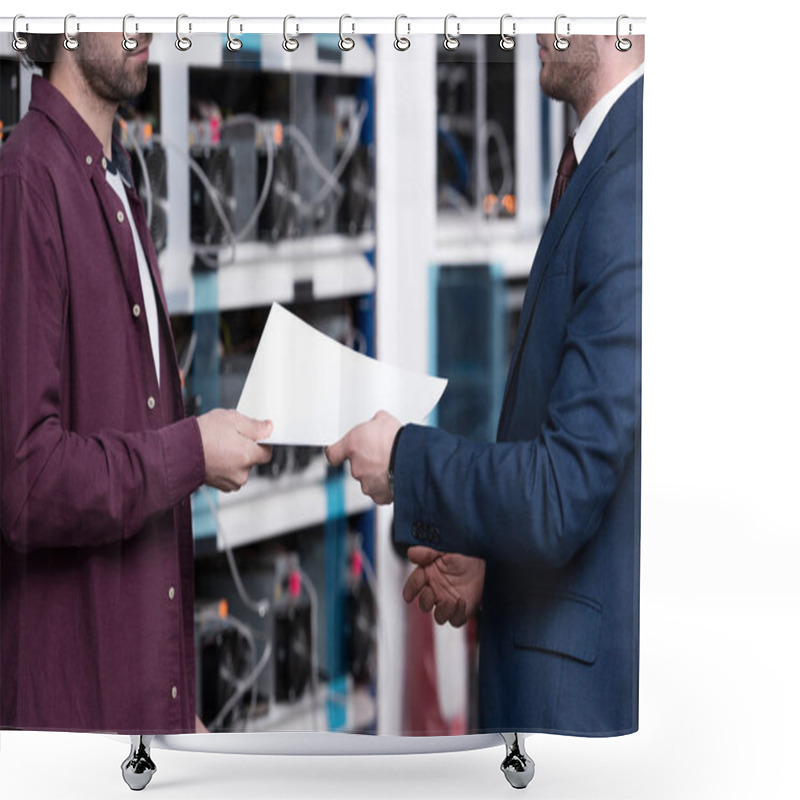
(563, 623)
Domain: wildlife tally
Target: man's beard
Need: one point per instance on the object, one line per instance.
(570, 77)
(113, 80)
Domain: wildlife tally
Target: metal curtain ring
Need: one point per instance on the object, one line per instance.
(401, 43)
(290, 44)
(70, 42)
(507, 42)
(183, 43)
(128, 43)
(560, 43)
(18, 43)
(623, 45)
(345, 42)
(451, 42)
(233, 44)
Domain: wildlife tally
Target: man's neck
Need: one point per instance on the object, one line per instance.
(591, 122)
(613, 69)
(97, 113)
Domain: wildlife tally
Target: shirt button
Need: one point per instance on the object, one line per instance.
(88, 161)
(151, 403)
(120, 217)
(171, 592)
(136, 310)
(104, 163)
(174, 692)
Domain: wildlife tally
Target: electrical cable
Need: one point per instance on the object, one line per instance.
(372, 582)
(239, 119)
(148, 189)
(213, 196)
(492, 130)
(188, 356)
(457, 201)
(247, 635)
(243, 686)
(331, 179)
(314, 602)
(231, 237)
(261, 607)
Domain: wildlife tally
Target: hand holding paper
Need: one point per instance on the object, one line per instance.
(368, 447)
(315, 390)
(230, 447)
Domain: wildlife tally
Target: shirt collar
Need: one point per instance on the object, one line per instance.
(591, 123)
(46, 99)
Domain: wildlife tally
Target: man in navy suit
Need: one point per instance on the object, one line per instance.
(541, 529)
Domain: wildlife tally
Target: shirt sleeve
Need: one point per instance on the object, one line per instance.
(58, 488)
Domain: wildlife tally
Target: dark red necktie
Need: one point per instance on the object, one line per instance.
(565, 169)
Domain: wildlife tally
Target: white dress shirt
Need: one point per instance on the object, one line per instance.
(148, 292)
(585, 132)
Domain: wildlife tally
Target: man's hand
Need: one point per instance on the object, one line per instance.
(230, 449)
(368, 447)
(449, 583)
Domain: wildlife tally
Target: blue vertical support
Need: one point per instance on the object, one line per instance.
(205, 379)
(365, 312)
(205, 382)
(336, 598)
(365, 523)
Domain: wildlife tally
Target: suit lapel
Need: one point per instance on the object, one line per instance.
(551, 236)
(603, 145)
(553, 232)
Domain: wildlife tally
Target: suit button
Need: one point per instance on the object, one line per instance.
(137, 310)
(151, 403)
(120, 217)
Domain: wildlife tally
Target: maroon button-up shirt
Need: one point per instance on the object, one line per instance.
(96, 460)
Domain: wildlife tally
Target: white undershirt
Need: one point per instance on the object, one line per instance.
(148, 293)
(591, 123)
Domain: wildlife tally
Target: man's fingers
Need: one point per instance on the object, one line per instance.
(262, 454)
(337, 453)
(414, 583)
(427, 599)
(422, 556)
(444, 611)
(255, 429)
(459, 616)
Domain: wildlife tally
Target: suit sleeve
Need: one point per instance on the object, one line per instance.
(58, 488)
(541, 500)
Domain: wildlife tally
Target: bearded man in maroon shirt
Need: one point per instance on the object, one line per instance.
(97, 461)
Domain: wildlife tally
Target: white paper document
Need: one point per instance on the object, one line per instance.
(314, 390)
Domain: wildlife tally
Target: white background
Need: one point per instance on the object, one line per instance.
(720, 600)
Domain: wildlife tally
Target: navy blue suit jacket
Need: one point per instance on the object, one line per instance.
(553, 505)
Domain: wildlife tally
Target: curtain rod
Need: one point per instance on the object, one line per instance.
(347, 25)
